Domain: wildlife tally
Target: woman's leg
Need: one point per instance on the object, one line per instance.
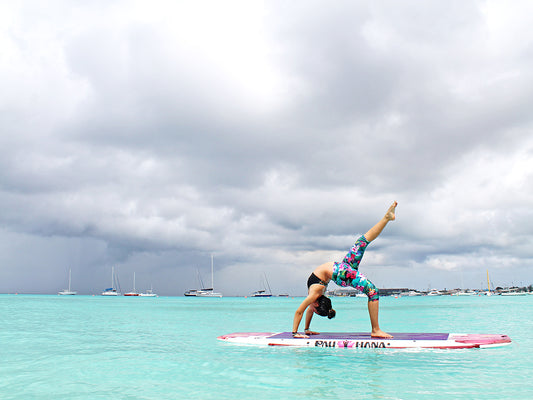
(373, 302)
(374, 232)
(355, 255)
(373, 309)
(345, 275)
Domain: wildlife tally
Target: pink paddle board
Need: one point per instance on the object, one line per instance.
(364, 340)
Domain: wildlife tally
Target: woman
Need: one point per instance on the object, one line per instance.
(345, 273)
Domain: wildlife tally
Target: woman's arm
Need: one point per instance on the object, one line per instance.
(308, 318)
(315, 291)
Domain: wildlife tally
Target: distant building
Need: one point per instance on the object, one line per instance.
(393, 291)
(352, 292)
(344, 292)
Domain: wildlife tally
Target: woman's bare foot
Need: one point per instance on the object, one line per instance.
(380, 334)
(300, 336)
(391, 212)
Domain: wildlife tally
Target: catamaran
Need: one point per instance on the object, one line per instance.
(263, 292)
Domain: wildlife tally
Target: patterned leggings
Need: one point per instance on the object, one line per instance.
(346, 273)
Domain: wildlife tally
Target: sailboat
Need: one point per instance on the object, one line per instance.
(148, 293)
(68, 291)
(488, 285)
(133, 293)
(209, 292)
(194, 292)
(463, 292)
(112, 291)
(263, 292)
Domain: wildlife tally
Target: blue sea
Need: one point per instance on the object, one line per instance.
(94, 347)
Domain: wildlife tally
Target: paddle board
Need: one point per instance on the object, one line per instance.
(364, 340)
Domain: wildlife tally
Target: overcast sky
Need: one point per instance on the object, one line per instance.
(148, 135)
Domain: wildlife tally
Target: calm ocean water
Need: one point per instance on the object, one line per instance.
(85, 347)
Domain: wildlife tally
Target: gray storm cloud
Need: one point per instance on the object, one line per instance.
(152, 135)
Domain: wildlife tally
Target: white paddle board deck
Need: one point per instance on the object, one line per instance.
(364, 340)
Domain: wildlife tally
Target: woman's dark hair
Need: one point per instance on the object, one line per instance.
(324, 307)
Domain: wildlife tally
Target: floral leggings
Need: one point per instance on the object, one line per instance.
(346, 273)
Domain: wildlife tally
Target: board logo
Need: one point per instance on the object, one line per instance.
(365, 344)
(351, 344)
(325, 343)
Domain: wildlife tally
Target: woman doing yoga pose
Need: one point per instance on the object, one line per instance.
(345, 273)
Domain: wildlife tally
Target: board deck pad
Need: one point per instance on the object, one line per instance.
(357, 340)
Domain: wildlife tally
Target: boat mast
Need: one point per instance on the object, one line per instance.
(69, 273)
(212, 274)
(268, 284)
(488, 281)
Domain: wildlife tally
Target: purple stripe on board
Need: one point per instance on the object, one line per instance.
(366, 336)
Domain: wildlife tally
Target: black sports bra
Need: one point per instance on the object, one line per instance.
(315, 279)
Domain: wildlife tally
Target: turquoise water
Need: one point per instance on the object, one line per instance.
(84, 347)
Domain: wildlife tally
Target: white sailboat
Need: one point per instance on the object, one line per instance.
(68, 291)
(462, 291)
(112, 291)
(148, 293)
(132, 293)
(209, 292)
(263, 292)
(194, 292)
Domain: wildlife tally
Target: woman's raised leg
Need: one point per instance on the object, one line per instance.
(373, 306)
(376, 229)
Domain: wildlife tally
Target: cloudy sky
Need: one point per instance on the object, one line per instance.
(148, 135)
